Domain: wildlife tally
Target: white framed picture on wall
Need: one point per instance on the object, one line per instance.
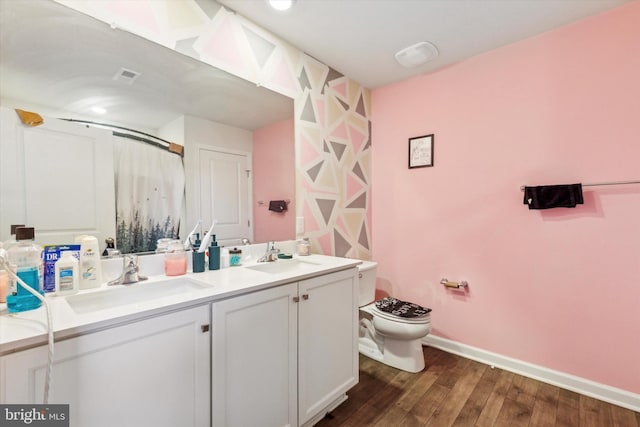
(421, 151)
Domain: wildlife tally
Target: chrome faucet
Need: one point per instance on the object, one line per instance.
(271, 254)
(130, 269)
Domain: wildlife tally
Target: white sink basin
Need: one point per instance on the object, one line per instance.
(284, 266)
(132, 294)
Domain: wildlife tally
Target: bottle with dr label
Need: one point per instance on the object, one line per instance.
(90, 263)
(67, 274)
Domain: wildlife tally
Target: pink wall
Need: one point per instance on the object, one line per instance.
(273, 179)
(557, 288)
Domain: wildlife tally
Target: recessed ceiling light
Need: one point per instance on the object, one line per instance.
(281, 4)
(98, 110)
(416, 54)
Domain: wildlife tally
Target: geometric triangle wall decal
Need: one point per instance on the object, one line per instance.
(314, 171)
(338, 149)
(326, 147)
(341, 244)
(332, 75)
(360, 202)
(363, 237)
(358, 171)
(261, 48)
(360, 107)
(307, 112)
(185, 47)
(344, 104)
(304, 80)
(326, 208)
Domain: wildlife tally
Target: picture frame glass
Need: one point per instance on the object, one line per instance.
(421, 151)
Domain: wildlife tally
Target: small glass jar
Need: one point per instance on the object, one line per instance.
(235, 257)
(175, 259)
(303, 247)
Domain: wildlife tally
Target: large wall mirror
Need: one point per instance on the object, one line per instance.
(63, 64)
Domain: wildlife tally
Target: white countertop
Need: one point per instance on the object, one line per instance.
(19, 331)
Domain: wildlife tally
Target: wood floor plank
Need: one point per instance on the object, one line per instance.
(494, 403)
(423, 410)
(513, 414)
(623, 417)
(568, 410)
(454, 391)
(460, 392)
(594, 413)
(545, 406)
(474, 405)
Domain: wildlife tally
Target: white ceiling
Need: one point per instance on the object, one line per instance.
(60, 63)
(359, 38)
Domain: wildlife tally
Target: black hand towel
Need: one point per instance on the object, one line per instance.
(553, 196)
(278, 205)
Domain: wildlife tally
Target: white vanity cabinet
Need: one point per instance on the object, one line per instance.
(286, 355)
(152, 372)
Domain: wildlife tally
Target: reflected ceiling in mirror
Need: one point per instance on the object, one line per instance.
(67, 63)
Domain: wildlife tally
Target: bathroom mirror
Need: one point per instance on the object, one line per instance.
(61, 63)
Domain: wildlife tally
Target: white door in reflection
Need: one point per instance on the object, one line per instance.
(225, 193)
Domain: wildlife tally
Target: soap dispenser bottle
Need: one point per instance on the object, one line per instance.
(214, 254)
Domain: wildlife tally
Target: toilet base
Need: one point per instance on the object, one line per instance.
(402, 354)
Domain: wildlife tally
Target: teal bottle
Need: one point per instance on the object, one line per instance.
(26, 256)
(214, 254)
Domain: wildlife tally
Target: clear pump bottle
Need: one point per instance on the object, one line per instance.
(26, 256)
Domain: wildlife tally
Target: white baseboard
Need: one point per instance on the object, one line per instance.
(590, 388)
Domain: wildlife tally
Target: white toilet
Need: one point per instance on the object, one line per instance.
(388, 337)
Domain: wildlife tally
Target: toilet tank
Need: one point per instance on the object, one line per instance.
(367, 282)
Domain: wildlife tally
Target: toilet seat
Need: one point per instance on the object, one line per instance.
(393, 308)
(426, 318)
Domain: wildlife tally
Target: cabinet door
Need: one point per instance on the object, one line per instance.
(254, 353)
(328, 346)
(154, 372)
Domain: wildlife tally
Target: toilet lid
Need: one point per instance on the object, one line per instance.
(402, 309)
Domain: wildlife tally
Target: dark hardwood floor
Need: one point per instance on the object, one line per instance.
(454, 391)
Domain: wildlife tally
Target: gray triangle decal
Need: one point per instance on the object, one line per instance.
(261, 48)
(338, 149)
(314, 171)
(363, 240)
(342, 246)
(332, 75)
(304, 80)
(326, 147)
(307, 112)
(368, 144)
(358, 171)
(210, 8)
(326, 208)
(360, 107)
(360, 202)
(345, 106)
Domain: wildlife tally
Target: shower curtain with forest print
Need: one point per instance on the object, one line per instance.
(149, 185)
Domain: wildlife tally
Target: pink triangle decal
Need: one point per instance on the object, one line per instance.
(310, 223)
(284, 78)
(307, 151)
(340, 131)
(354, 186)
(341, 88)
(224, 46)
(325, 243)
(357, 138)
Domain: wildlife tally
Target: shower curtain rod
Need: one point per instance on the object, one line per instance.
(170, 146)
(594, 184)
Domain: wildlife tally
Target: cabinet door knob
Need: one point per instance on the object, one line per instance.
(204, 328)
(305, 296)
(296, 299)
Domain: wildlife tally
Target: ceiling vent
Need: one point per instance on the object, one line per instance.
(416, 54)
(127, 76)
